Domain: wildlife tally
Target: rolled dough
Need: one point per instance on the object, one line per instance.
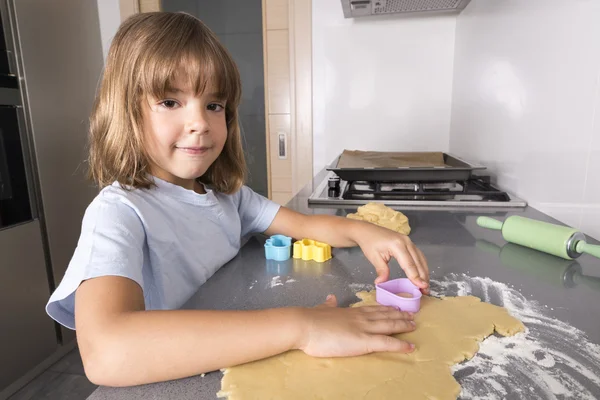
(448, 332)
(382, 215)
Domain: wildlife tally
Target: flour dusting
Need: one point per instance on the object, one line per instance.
(359, 287)
(276, 281)
(551, 360)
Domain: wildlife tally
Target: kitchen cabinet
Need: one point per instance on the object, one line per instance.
(28, 334)
(55, 59)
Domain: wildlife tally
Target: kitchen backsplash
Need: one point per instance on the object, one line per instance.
(380, 83)
(526, 102)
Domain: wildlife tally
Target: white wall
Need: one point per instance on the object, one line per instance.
(110, 19)
(526, 102)
(381, 83)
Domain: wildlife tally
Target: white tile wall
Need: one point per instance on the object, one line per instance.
(526, 101)
(381, 83)
(590, 214)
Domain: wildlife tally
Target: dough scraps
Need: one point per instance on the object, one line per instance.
(382, 215)
(448, 331)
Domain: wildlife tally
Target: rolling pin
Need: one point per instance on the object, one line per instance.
(561, 241)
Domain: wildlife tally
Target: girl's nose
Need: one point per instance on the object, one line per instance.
(197, 123)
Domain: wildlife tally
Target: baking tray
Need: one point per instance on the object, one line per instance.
(453, 169)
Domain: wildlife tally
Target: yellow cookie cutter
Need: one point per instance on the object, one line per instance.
(308, 249)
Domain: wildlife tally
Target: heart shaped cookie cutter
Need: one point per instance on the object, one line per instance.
(386, 294)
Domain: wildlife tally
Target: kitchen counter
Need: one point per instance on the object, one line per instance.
(456, 248)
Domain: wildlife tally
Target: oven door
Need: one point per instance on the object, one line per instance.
(4, 67)
(7, 77)
(15, 202)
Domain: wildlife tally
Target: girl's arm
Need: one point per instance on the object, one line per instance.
(379, 244)
(121, 344)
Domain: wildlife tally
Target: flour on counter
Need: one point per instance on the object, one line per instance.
(551, 360)
(359, 287)
(276, 281)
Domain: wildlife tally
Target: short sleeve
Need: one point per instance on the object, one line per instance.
(256, 211)
(111, 244)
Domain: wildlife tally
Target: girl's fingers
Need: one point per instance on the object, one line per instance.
(388, 343)
(409, 265)
(390, 314)
(382, 269)
(421, 266)
(369, 309)
(330, 301)
(424, 263)
(389, 326)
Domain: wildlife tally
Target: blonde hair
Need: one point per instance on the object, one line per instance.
(146, 53)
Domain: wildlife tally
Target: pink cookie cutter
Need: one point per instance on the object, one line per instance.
(385, 294)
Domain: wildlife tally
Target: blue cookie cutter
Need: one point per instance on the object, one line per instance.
(278, 247)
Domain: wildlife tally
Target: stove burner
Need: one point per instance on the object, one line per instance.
(443, 187)
(333, 184)
(475, 189)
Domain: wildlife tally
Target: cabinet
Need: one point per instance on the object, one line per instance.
(55, 58)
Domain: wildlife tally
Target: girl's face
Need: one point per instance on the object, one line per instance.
(184, 134)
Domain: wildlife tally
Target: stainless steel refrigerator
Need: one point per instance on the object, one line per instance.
(50, 64)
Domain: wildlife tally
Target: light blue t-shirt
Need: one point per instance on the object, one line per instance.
(168, 239)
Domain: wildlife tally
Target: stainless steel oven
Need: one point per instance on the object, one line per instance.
(15, 202)
(7, 78)
(17, 194)
(28, 335)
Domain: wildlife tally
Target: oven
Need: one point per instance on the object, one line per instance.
(15, 202)
(7, 78)
(15, 194)
(28, 335)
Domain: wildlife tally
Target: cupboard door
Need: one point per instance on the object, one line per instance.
(28, 334)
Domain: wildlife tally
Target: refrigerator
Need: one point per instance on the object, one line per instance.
(50, 65)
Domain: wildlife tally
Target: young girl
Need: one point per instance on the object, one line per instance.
(166, 149)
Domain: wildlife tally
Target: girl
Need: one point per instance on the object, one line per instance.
(165, 148)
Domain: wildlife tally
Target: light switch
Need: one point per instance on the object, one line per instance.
(282, 145)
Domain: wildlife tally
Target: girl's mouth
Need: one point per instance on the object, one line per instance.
(193, 150)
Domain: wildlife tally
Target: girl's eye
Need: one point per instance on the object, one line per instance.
(168, 103)
(215, 107)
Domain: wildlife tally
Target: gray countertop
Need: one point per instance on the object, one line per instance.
(456, 248)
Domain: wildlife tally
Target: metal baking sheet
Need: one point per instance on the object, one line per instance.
(402, 167)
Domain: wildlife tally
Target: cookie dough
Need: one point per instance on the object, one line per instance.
(448, 331)
(382, 215)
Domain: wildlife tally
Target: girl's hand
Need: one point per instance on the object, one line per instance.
(381, 244)
(337, 332)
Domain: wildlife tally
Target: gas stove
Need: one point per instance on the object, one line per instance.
(477, 191)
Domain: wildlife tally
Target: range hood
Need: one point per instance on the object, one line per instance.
(365, 8)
